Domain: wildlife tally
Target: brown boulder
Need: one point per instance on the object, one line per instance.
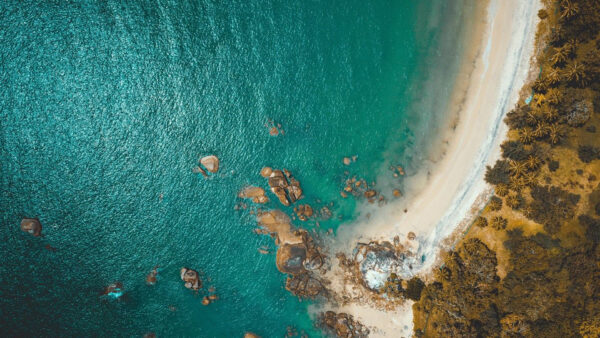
(370, 193)
(211, 163)
(151, 277)
(277, 179)
(32, 226)
(295, 192)
(281, 195)
(266, 172)
(290, 258)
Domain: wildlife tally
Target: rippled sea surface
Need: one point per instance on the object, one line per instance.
(106, 106)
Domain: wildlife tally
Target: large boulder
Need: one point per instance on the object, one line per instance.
(151, 276)
(32, 226)
(211, 163)
(191, 278)
(266, 172)
(277, 222)
(283, 185)
(290, 258)
(281, 195)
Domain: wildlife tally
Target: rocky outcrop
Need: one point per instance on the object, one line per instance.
(302, 262)
(266, 172)
(342, 325)
(304, 212)
(297, 255)
(32, 226)
(290, 258)
(304, 285)
(211, 163)
(284, 186)
(257, 194)
(191, 278)
(376, 261)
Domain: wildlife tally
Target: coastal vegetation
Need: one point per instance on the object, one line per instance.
(530, 266)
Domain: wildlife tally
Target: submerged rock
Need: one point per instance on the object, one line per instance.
(257, 194)
(211, 163)
(114, 290)
(191, 278)
(32, 226)
(304, 211)
(151, 276)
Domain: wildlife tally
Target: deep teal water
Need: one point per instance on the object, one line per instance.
(106, 105)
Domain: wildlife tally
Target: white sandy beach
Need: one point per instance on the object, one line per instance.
(442, 200)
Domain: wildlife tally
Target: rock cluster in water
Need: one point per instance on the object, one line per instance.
(32, 226)
(342, 325)
(297, 254)
(304, 212)
(284, 186)
(191, 278)
(302, 261)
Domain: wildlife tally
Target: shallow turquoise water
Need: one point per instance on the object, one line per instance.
(106, 105)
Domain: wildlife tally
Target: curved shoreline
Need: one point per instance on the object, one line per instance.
(445, 198)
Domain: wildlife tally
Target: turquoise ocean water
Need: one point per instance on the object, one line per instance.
(107, 105)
